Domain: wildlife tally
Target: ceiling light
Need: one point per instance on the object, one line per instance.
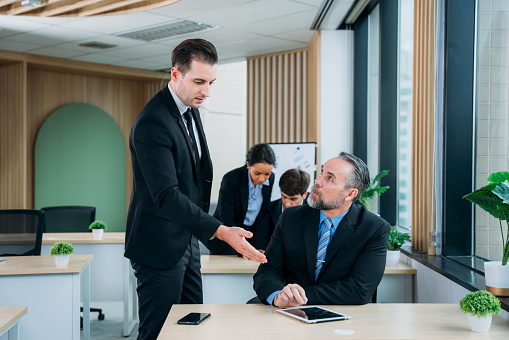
(31, 3)
(96, 44)
(166, 31)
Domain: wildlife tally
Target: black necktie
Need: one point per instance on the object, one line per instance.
(189, 122)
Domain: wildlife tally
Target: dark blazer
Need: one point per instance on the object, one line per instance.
(232, 208)
(354, 263)
(276, 208)
(167, 205)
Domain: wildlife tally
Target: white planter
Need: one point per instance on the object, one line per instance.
(98, 234)
(392, 257)
(62, 260)
(497, 278)
(479, 324)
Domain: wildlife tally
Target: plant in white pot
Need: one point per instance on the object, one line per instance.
(396, 241)
(494, 199)
(61, 251)
(479, 307)
(98, 228)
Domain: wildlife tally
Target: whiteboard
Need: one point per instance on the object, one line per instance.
(300, 156)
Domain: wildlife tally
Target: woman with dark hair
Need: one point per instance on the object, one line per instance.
(244, 199)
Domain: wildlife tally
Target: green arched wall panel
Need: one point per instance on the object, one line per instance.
(80, 160)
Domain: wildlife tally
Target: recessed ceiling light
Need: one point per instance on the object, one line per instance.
(99, 45)
(166, 31)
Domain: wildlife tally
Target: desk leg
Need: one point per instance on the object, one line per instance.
(13, 332)
(86, 303)
(130, 321)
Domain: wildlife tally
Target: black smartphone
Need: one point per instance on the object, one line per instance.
(193, 318)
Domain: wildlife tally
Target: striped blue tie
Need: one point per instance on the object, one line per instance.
(322, 246)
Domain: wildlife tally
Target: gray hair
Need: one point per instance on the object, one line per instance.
(359, 177)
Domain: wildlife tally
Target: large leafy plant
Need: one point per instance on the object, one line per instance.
(396, 239)
(373, 189)
(480, 303)
(494, 199)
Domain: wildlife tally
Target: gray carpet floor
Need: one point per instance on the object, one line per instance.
(112, 325)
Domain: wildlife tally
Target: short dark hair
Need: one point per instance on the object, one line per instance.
(294, 182)
(261, 153)
(359, 177)
(193, 49)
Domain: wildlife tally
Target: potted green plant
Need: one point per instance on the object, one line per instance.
(61, 251)
(97, 228)
(373, 189)
(494, 199)
(396, 240)
(479, 307)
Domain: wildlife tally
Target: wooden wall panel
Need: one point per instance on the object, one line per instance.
(277, 98)
(13, 144)
(423, 196)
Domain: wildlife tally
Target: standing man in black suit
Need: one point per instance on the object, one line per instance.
(294, 185)
(330, 251)
(172, 178)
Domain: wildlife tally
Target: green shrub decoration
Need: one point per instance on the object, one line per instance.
(373, 189)
(61, 248)
(396, 239)
(97, 225)
(480, 303)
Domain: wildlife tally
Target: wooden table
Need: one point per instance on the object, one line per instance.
(51, 293)
(112, 276)
(9, 321)
(228, 279)
(371, 321)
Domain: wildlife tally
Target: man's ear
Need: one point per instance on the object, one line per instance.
(352, 192)
(304, 195)
(174, 73)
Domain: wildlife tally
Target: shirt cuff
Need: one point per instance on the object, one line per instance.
(271, 297)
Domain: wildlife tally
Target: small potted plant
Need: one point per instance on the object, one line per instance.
(97, 228)
(396, 240)
(494, 199)
(61, 251)
(479, 307)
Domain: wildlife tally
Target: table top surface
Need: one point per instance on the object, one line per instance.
(232, 264)
(85, 237)
(371, 321)
(9, 316)
(27, 265)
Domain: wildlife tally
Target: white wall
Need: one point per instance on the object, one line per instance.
(336, 86)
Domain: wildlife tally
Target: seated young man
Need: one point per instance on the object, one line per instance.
(329, 252)
(294, 185)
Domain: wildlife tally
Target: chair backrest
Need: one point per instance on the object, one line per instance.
(21, 232)
(66, 219)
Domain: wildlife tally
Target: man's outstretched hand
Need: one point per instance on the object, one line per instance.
(236, 237)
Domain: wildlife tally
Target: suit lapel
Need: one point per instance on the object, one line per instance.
(205, 156)
(311, 225)
(343, 231)
(244, 189)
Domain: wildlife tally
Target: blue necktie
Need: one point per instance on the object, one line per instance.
(322, 246)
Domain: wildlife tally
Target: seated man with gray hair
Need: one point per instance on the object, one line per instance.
(330, 252)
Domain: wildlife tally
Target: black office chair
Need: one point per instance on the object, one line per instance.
(21, 232)
(68, 219)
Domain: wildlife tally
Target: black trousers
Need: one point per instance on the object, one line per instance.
(159, 289)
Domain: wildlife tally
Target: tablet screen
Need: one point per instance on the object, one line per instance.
(312, 314)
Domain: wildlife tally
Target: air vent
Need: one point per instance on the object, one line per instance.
(98, 45)
(166, 31)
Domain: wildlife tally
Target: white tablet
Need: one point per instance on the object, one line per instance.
(313, 314)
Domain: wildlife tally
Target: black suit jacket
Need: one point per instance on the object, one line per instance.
(169, 202)
(276, 208)
(232, 208)
(354, 263)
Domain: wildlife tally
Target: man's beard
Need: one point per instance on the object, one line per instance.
(321, 204)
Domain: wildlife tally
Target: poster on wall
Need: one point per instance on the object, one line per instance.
(300, 156)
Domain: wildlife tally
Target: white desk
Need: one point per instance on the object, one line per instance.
(9, 321)
(110, 270)
(371, 321)
(228, 279)
(52, 295)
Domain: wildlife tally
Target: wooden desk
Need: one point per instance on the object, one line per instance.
(229, 279)
(110, 269)
(371, 321)
(52, 295)
(9, 321)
